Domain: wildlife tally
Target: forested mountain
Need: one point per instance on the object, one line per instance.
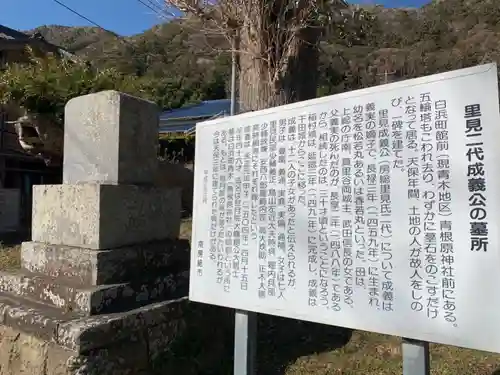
(191, 65)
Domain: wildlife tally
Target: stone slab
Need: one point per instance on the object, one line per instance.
(21, 353)
(86, 267)
(95, 300)
(104, 216)
(111, 138)
(31, 317)
(84, 334)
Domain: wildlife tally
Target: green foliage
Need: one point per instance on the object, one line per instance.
(184, 65)
(44, 85)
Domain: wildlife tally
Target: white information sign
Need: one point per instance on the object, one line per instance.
(376, 209)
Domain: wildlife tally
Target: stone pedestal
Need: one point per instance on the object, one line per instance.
(102, 283)
(104, 216)
(108, 138)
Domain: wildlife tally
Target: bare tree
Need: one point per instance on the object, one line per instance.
(277, 42)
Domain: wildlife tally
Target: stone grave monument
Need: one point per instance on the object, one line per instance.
(101, 286)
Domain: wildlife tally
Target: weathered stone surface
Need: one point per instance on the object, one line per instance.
(176, 175)
(95, 300)
(127, 357)
(60, 361)
(80, 266)
(31, 317)
(83, 334)
(176, 337)
(21, 353)
(161, 336)
(87, 267)
(100, 331)
(111, 138)
(104, 216)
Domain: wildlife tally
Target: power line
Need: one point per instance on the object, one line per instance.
(81, 15)
(148, 55)
(92, 22)
(163, 13)
(166, 11)
(151, 6)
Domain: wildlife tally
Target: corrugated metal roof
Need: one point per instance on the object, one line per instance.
(207, 108)
(6, 33)
(181, 128)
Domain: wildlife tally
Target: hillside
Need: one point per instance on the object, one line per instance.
(447, 34)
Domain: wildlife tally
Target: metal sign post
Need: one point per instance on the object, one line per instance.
(245, 343)
(245, 322)
(416, 358)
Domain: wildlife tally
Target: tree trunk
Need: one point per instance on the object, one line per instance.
(261, 53)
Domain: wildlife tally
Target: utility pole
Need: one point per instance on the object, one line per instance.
(387, 73)
(234, 67)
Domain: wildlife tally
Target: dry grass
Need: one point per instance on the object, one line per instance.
(309, 349)
(10, 257)
(374, 354)
(185, 232)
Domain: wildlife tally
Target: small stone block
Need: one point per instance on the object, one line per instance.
(21, 353)
(104, 216)
(98, 331)
(86, 267)
(59, 360)
(111, 138)
(31, 317)
(102, 299)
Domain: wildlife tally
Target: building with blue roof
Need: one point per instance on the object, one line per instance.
(183, 120)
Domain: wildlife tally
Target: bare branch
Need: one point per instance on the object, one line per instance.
(272, 32)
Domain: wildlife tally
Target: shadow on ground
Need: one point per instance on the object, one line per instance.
(496, 372)
(14, 238)
(206, 345)
(282, 341)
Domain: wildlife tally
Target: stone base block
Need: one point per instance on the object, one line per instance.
(21, 353)
(86, 267)
(95, 300)
(104, 216)
(83, 334)
(110, 137)
(175, 337)
(32, 317)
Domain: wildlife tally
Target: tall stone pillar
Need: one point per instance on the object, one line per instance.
(102, 283)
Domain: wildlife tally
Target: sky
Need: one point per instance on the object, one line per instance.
(125, 17)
